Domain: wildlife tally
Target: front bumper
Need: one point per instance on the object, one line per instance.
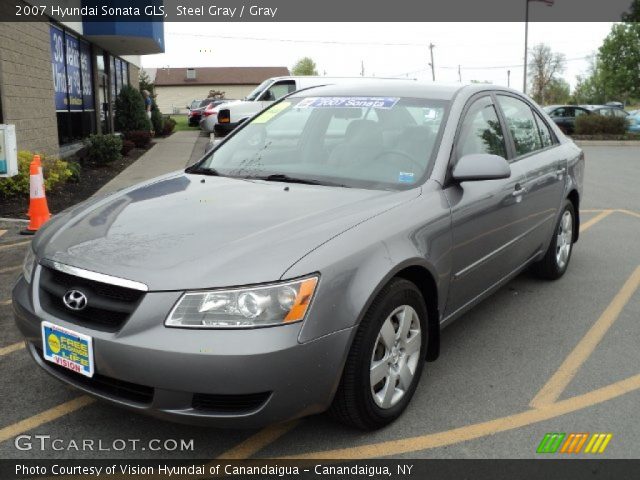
(178, 367)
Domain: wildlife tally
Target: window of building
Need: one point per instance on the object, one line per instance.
(191, 73)
(73, 85)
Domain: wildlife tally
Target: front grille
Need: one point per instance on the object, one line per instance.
(109, 386)
(229, 403)
(108, 306)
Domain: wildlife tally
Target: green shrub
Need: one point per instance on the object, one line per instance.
(157, 120)
(127, 146)
(141, 138)
(55, 171)
(130, 111)
(595, 124)
(104, 149)
(169, 126)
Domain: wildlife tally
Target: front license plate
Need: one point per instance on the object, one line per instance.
(67, 348)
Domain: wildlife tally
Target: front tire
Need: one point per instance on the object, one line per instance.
(386, 359)
(556, 259)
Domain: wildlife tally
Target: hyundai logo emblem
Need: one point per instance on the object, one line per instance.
(75, 300)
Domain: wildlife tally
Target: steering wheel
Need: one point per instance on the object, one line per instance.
(400, 153)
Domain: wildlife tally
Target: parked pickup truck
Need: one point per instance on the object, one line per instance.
(234, 113)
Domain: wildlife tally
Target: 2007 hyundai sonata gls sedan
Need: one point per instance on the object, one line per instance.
(309, 261)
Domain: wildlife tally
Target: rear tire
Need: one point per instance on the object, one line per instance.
(386, 359)
(556, 259)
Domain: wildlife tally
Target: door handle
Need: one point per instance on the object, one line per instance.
(520, 190)
(560, 172)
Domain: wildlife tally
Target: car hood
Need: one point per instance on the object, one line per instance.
(185, 231)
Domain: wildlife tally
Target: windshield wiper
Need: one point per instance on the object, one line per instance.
(281, 177)
(203, 171)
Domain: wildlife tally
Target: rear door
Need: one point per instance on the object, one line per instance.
(538, 154)
(484, 213)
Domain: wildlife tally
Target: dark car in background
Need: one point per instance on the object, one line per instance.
(565, 116)
(607, 110)
(195, 110)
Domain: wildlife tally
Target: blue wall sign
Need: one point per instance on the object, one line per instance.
(74, 81)
(87, 76)
(58, 68)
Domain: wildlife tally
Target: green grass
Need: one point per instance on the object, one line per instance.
(182, 123)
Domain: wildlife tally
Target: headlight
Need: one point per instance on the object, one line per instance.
(262, 306)
(28, 264)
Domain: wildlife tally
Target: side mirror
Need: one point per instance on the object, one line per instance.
(481, 166)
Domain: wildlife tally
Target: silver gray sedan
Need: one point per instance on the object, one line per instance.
(309, 261)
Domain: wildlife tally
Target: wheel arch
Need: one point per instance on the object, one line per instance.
(421, 274)
(574, 198)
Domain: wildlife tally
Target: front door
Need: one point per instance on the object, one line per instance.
(485, 213)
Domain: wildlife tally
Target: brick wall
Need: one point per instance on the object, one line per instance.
(26, 85)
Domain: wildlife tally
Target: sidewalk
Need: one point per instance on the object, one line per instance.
(168, 154)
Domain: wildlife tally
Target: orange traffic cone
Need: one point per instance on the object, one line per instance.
(38, 208)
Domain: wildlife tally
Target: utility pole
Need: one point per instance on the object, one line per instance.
(548, 3)
(526, 39)
(508, 78)
(433, 68)
(362, 68)
(459, 74)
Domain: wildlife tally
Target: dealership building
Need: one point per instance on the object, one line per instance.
(59, 80)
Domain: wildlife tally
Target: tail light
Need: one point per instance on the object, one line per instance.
(206, 113)
(224, 116)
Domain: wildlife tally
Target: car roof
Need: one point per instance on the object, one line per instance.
(399, 88)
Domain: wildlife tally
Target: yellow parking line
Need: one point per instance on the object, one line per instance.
(478, 430)
(592, 210)
(630, 212)
(591, 222)
(11, 348)
(5, 302)
(565, 373)
(258, 441)
(11, 245)
(2, 232)
(45, 417)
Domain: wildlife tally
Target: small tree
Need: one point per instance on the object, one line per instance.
(130, 111)
(157, 120)
(543, 68)
(304, 66)
(146, 83)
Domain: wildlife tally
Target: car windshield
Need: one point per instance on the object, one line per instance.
(258, 90)
(362, 142)
(194, 104)
(206, 102)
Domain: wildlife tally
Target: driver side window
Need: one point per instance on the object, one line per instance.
(480, 131)
(278, 90)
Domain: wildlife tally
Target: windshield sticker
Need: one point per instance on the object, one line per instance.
(406, 177)
(264, 117)
(348, 102)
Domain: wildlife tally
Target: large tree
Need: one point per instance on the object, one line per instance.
(619, 62)
(304, 66)
(545, 67)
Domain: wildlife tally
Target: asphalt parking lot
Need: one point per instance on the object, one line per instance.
(537, 357)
